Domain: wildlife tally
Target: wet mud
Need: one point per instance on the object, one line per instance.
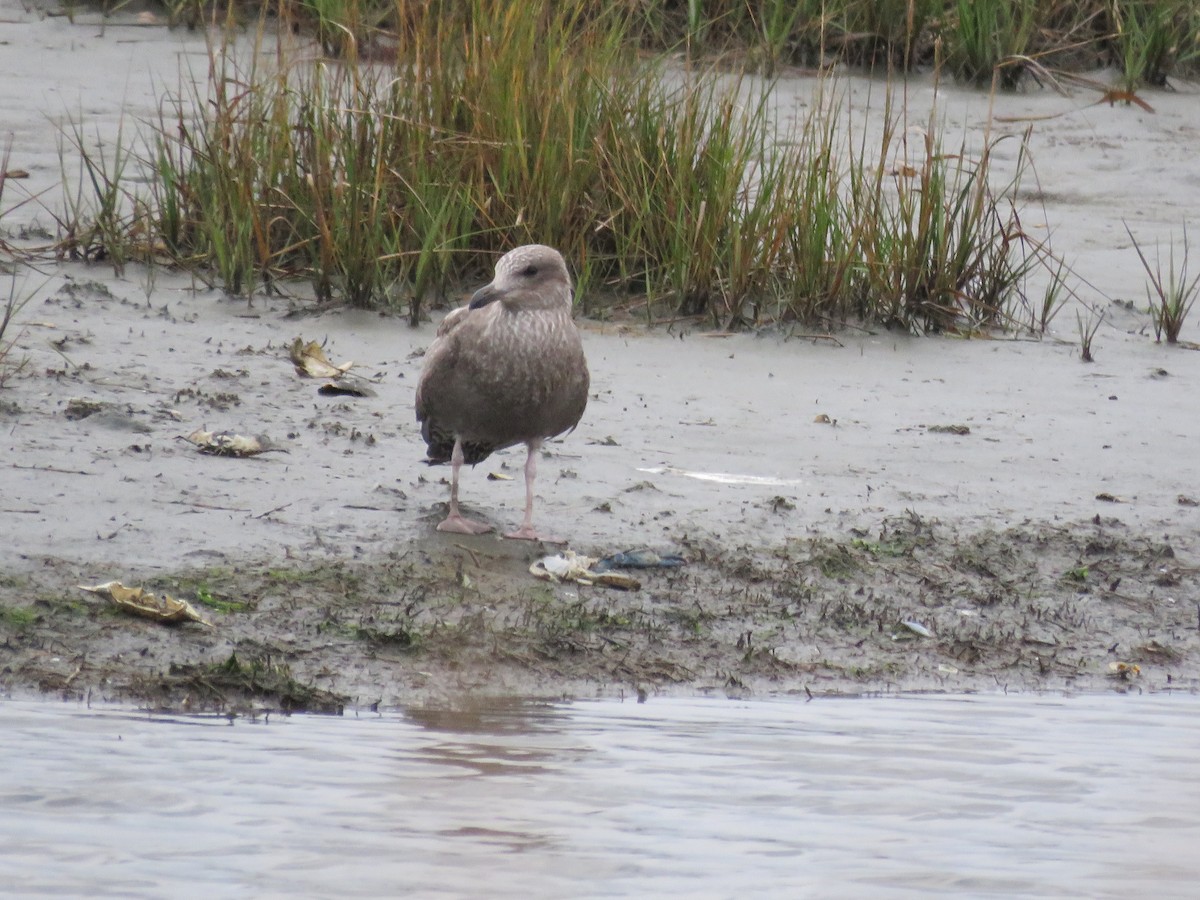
(860, 512)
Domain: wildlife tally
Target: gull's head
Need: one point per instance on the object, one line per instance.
(533, 276)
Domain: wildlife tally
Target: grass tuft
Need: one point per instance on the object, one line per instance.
(1171, 294)
(18, 618)
(1088, 325)
(9, 307)
(1153, 39)
(989, 37)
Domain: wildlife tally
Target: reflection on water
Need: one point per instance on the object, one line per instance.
(911, 797)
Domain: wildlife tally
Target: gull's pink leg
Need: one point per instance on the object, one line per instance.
(456, 522)
(526, 532)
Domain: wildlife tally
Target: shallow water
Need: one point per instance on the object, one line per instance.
(900, 797)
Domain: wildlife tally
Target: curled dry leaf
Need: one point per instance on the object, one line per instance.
(143, 603)
(226, 443)
(309, 359)
(571, 566)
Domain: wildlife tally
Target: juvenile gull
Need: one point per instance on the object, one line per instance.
(506, 369)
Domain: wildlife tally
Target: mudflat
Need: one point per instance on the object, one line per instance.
(862, 512)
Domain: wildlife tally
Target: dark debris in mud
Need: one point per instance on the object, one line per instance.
(912, 605)
(255, 683)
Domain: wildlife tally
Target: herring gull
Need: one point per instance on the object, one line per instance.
(506, 369)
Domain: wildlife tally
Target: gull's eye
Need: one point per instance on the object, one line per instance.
(529, 271)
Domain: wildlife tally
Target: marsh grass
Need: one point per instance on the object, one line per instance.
(392, 186)
(10, 306)
(775, 23)
(102, 218)
(884, 33)
(16, 298)
(8, 205)
(1060, 285)
(1088, 324)
(1148, 40)
(1171, 293)
(684, 221)
(342, 27)
(940, 248)
(372, 183)
(986, 35)
(1153, 39)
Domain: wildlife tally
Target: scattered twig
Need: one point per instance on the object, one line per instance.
(198, 505)
(471, 553)
(54, 469)
(70, 362)
(803, 336)
(275, 510)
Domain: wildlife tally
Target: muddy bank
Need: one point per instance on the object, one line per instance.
(1034, 518)
(910, 605)
(1034, 514)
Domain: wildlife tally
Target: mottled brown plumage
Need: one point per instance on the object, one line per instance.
(507, 369)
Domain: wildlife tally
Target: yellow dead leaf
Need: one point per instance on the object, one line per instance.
(1124, 671)
(143, 603)
(309, 359)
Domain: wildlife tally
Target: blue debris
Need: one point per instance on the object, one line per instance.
(639, 559)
